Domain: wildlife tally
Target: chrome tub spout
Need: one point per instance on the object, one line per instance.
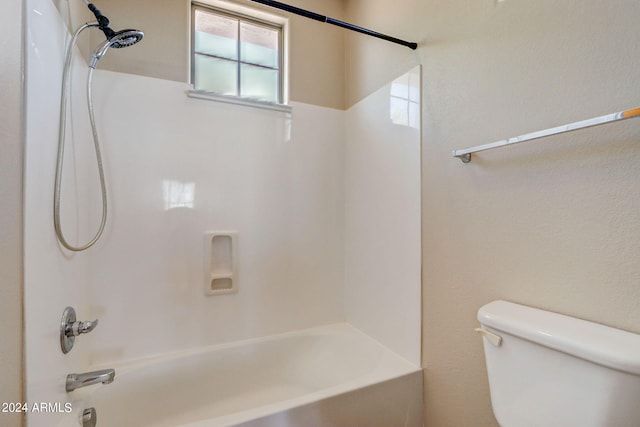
(104, 376)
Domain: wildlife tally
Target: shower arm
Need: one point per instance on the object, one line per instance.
(328, 20)
(103, 21)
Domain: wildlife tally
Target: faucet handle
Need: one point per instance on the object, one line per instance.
(70, 328)
(77, 328)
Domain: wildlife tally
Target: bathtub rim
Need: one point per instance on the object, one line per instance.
(125, 366)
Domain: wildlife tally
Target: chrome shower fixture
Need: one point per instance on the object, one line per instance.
(120, 39)
(124, 38)
(70, 328)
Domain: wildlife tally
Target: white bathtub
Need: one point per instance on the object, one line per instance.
(327, 376)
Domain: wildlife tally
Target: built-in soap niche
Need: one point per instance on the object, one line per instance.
(220, 259)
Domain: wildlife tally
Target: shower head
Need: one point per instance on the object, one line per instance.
(124, 38)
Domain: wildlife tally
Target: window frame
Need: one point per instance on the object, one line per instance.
(253, 20)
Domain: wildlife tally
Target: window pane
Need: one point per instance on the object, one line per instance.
(259, 83)
(216, 75)
(258, 45)
(216, 35)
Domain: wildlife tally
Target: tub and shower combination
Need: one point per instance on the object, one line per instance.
(324, 327)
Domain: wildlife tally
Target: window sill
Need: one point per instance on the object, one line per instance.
(247, 102)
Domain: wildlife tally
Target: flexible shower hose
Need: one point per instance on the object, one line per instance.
(61, 142)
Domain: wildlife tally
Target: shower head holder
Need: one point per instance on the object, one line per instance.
(103, 21)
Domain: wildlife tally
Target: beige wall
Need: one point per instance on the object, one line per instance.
(11, 209)
(553, 223)
(316, 49)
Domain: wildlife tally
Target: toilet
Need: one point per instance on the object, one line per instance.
(550, 370)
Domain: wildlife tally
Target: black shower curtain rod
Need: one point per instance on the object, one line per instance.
(322, 18)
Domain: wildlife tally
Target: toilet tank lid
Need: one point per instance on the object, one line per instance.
(604, 345)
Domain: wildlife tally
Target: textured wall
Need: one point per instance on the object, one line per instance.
(11, 210)
(552, 223)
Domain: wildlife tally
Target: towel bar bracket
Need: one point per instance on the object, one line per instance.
(466, 158)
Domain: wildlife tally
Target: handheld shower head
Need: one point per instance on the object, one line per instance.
(124, 38)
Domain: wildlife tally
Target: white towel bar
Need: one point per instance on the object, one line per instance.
(465, 155)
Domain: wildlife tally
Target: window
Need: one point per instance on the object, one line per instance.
(236, 55)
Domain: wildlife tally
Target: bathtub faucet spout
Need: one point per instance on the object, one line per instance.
(104, 376)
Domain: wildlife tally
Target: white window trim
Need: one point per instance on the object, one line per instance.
(259, 15)
(237, 100)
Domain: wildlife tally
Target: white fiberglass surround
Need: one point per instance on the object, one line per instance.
(295, 187)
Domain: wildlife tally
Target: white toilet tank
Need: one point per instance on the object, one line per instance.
(550, 370)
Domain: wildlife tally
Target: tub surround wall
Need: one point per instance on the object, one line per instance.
(54, 279)
(382, 215)
(552, 223)
(287, 184)
(180, 167)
